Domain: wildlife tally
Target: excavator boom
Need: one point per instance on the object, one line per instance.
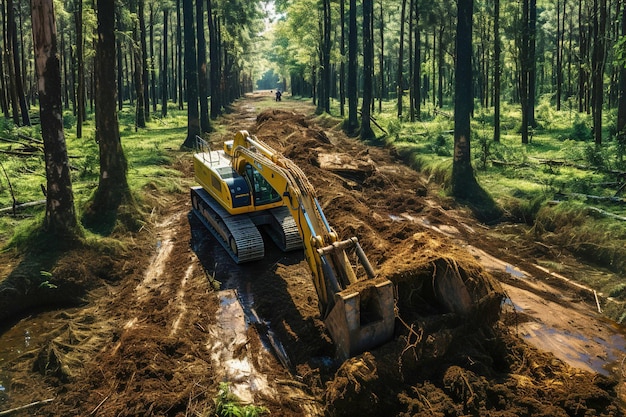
(356, 306)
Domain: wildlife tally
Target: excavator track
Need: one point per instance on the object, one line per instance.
(283, 230)
(237, 234)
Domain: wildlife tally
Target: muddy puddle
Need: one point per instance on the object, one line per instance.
(234, 281)
(20, 338)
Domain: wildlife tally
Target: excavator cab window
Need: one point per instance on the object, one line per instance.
(262, 191)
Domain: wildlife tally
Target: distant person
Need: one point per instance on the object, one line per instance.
(278, 95)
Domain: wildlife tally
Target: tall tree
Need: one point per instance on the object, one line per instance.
(60, 216)
(179, 55)
(144, 53)
(560, 36)
(205, 125)
(152, 72)
(598, 61)
(214, 58)
(342, 64)
(417, 63)
(368, 70)
(17, 64)
(164, 62)
(80, 68)
(399, 80)
(113, 187)
(621, 106)
(325, 51)
(353, 45)
(524, 68)
(138, 73)
(497, 50)
(191, 76)
(463, 180)
(532, 58)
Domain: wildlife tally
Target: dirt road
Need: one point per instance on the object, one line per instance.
(184, 317)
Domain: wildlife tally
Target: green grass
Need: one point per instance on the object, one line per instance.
(150, 153)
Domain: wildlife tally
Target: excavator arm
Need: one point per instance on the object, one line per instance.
(357, 310)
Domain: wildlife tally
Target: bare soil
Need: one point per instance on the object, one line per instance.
(170, 317)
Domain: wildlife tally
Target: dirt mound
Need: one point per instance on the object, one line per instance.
(449, 357)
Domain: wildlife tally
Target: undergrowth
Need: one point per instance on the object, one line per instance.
(228, 404)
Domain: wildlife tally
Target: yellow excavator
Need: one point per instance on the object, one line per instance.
(246, 186)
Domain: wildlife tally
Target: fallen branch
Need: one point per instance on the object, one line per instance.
(607, 213)
(28, 138)
(24, 407)
(99, 405)
(600, 198)
(10, 186)
(23, 205)
(20, 153)
(595, 294)
(9, 140)
(377, 125)
(496, 162)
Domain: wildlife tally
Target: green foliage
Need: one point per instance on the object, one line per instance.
(583, 231)
(441, 146)
(69, 120)
(580, 131)
(619, 291)
(228, 405)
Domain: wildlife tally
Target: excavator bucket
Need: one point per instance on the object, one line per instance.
(362, 317)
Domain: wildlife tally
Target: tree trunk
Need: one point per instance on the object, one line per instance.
(214, 70)
(120, 63)
(598, 62)
(326, 50)
(524, 98)
(205, 125)
(17, 66)
(417, 65)
(368, 70)
(583, 72)
(179, 43)
(532, 72)
(399, 80)
(462, 172)
(440, 66)
(191, 76)
(153, 94)
(497, 49)
(144, 61)
(353, 45)
(112, 186)
(140, 106)
(560, 32)
(60, 216)
(342, 65)
(381, 59)
(20, 72)
(621, 103)
(164, 70)
(80, 68)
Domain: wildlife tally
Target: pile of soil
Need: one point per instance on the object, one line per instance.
(144, 344)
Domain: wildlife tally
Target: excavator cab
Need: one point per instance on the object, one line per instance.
(262, 191)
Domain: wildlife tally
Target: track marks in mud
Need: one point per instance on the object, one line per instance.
(180, 299)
